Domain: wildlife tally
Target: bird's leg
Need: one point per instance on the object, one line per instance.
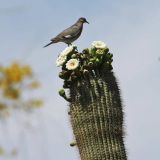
(76, 49)
(69, 44)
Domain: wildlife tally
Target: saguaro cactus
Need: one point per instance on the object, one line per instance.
(95, 104)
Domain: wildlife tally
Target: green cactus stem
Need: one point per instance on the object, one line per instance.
(97, 118)
(95, 111)
(63, 94)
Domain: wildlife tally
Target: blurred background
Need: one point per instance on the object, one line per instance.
(33, 118)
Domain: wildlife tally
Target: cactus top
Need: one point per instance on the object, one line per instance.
(76, 65)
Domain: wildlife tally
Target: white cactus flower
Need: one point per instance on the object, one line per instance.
(99, 44)
(67, 50)
(61, 60)
(72, 64)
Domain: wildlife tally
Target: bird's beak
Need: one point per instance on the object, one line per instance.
(87, 22)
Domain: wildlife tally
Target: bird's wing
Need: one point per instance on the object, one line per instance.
(72, 31)
(69, 32)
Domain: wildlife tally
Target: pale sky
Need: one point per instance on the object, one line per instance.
(131, 29)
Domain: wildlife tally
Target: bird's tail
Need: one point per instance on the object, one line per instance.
(48, 44)
(53, 40)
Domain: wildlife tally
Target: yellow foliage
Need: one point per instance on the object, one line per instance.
(12, 81)
(4, 83)
(13, 72)
(2, 152)
(1, 82)
(36, 102)
(17, 72)
(12, 93)
(1, 68)
(34, 84)
(26, 70)
(2, 106)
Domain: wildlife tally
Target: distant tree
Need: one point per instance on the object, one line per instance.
(15, 79)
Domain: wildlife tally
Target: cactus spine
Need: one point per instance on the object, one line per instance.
(97, 118)
(96, 111)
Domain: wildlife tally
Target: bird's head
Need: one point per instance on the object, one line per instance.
(83, 20)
